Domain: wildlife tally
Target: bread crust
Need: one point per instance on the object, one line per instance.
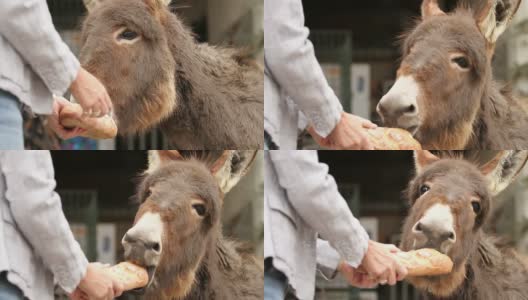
(130, 275)
(425, 262)
(383, 138)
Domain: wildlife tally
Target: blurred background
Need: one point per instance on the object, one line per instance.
(237, 23)
(96, 189)
(356, 43)
(372, 183)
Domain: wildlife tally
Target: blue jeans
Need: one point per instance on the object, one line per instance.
(8, 291)
(11, 123)
(275, 283)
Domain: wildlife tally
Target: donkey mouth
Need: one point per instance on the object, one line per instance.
(442, 248)
(141, 291)
(413, 129)
(411, 126)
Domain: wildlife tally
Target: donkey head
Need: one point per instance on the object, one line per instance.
(124, 44)
(445, 70)
(178, 220)
(450, 200)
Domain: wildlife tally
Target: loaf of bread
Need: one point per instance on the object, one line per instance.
(130, 275)
(104, 127)
(392, 139)
(425, 262)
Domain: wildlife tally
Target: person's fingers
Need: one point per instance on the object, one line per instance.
(88, 112)
(76, 295)
(393, 249)
(110, 293)
(365, 142)
(328, 143)
(118, 288)
(102, 107)
(368, 124)
(369, 282)
(380, 274)
(391, 280)
(96, 113)
(401, 271)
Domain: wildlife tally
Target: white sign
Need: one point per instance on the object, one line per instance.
(106, 243)
(360, 89)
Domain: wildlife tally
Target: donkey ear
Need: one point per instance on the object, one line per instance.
(91, 4)
(423, 158)
(156, 158)
(503, 169)
(228, 166)
(495, 17)
(431, 8)
(231, 167)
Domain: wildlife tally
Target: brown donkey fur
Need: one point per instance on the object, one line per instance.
(458, 105)
(186, 255)
(461, 194)
(201, 96)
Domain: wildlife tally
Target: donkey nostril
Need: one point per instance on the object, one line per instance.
(156, 247)
(381, 108)
(418, 227)
(451, 236)
(411, 108)
(127, 238)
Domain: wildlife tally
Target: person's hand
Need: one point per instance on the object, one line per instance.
(91, 94)
(53, 121)
(356, 277)
(349, 134)
(97, 285)
(380, 263)
(78, 295)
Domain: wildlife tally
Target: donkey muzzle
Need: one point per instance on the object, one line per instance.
(399, 107)
(435, 237)
(141, 251)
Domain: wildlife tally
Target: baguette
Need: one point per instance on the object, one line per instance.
(130, 275)
(392, 139)
(71, 116)
(425, 262)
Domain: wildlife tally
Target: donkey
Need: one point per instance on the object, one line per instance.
(177, 230)
(202, 97)
(445, 94)
(450, 201)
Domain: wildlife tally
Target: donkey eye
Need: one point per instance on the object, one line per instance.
(128, 35)
(200, 209)
(476, 206)
(424, 188)
(461, 61)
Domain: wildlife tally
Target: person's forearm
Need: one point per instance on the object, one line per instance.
(313, 194)
(28, 27)
(36, 209)
(291, 61)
